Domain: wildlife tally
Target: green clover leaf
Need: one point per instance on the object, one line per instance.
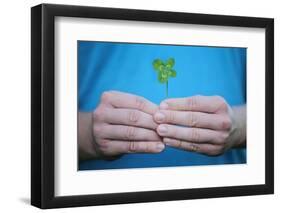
(164, 71)
(156, 64)
(170, 62)
(172, 73)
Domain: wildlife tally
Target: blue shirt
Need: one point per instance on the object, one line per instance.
(104, 66)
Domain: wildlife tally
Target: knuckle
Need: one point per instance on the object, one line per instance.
(104, 147)
(178, 144)
(133, 146)
(214, 151)
(103, 144)
(193, 147)
(95, 116)
(217, 151)
(171, 116)
(140, 103)
(192, 102)
(223, 137)
(195, 135)
(105, 97)
(97, 130)
(105, 151)
(98, 114)
(222, 105)
(130, 133)
(226, 123)
(133, 116)
(147, 148)
(219, 99)
(191, 119)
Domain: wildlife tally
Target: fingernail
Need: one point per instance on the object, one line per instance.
(160, 146)
(159, 117)
(163, 105)
(162, 129)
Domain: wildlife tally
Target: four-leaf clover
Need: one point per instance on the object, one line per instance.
(164, 71)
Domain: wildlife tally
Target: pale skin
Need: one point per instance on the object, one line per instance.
(125, 123)
(202, 124)
(122, 123)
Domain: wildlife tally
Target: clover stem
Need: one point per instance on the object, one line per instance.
(167, 89)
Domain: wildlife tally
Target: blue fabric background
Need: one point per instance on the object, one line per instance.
(126, 67)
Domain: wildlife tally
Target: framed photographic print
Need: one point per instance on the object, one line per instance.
(140, 106)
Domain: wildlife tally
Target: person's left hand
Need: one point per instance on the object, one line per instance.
(202, 124)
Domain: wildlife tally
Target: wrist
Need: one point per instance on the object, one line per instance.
(87, 149)
(239, 131)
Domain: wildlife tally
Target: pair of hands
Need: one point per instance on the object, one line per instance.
(126, 123)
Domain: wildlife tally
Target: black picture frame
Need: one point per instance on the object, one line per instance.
(43, 102)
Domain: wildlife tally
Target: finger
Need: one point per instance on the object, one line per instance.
(209, 104)
(115, 147)
(121, 132)
(203, 148)
(129, 117)
(193, 119)
(126, 100)
(195, 135)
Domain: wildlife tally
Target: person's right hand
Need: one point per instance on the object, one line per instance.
(123, 123)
